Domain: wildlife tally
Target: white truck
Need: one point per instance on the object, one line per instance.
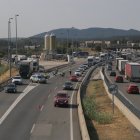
(117, 61)
(91, 60)
(126, 56)
(132, 72)
(121, 65)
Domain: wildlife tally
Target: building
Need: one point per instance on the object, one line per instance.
(50, 43)
(47, 42)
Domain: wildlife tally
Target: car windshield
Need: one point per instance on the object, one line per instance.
(17, 78)
(68, 83)
(11, 86)
(40, 76)
(61, 95)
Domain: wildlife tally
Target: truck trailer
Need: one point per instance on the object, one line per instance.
(117, 61)
(132, 72)
(121, 66)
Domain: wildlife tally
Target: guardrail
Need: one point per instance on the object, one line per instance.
(128, 109)
(81, 93)
(125, 101)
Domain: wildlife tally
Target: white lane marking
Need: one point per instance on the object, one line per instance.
(49, 95)
(42, 107)
(32, 129)
(26, 90)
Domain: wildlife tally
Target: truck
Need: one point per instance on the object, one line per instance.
(91, 60)
(121, 66)
(126, 56)
(27, 67)
(117, 61)
(132, 72)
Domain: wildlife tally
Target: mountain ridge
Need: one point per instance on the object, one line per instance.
(89, 33)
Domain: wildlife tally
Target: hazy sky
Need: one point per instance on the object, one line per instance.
(37, 16)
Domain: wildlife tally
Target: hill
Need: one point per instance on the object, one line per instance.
(90, 33)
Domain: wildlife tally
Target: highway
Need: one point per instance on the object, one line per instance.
(132, 98)
(30, 114)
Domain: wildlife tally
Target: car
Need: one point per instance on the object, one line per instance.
(119, 79)
(38, 79)
(61, 99)
(112, 73)
(81, 69)
(17, 80)
(73, 78)
(68, 85)
(11, 88)
(109, 67)
(78, 73)
(133, 88)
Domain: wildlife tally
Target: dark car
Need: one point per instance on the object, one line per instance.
(11, 88)
(133, 88)
(109, 67)
(119, 79)
(68, 85)
(74, 78)
(61, 99)
(112, 73)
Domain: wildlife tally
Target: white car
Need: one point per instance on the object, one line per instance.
(38, 79)
(78, 73)
(17, 80)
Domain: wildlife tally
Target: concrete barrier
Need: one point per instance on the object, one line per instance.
(131, 117)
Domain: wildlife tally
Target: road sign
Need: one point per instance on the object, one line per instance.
(113, 88)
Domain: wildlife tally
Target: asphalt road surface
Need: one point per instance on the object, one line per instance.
(132, 98)
(30, 114)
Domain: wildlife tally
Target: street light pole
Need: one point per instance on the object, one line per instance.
(9, 44)
(67, 40)
(16, 35)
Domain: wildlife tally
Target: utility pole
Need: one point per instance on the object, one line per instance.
(16, 37)
(67, 40)
(9, 44)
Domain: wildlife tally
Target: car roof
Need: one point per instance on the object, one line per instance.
(119, 76)
(133, 85)
(62, 91)
(17, 77)
(11, 84)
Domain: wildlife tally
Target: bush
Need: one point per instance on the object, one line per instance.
(3, 69)
(104, 118)
(90, 109)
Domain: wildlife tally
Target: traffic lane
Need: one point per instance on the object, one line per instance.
(132, 98)
(25, 115)
(6, 99)
(18, 124)
(57, 120)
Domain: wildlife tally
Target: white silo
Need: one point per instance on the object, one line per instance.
(47, 42)
(52, 42)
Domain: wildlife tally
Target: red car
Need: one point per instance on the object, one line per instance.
(133, 88)
(74, 78)
(119, 79)
(61, 99)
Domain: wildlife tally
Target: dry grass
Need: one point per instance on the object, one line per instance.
(120, 128)
(6, 75)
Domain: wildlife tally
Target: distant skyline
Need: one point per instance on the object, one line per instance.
(37, 16)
